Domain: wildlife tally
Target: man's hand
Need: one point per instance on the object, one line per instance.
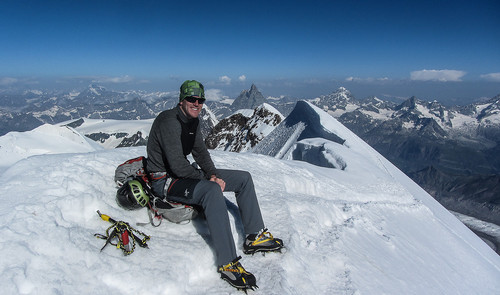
(219, 181)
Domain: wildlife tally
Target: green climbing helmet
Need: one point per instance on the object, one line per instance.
(191, 88)
(131, 195)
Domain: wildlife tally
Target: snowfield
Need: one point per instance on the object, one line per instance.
(367, 229)
(46, 139)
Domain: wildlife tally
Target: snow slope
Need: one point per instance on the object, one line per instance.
(113, 128)
(366, 229)
(46, 139)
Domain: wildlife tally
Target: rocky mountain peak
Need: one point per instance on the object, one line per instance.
(248, 99)
(241, 131)
(408, 104)
(97, 89)
(341, 99)
(343, 93)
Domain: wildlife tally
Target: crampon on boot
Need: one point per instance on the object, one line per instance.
(263, 242)
(237, 276)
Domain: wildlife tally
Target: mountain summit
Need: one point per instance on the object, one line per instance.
(304, 122)
(341, 99)
(248, 99)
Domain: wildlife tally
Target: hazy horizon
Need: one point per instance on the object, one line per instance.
(434, 50)
(457, 93)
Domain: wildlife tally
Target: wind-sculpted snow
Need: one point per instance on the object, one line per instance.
(304, 122)
(366, 229)
(312, 117)
(281, 141)
(311, 135)
(318, 154)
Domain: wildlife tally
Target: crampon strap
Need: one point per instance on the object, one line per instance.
(121, 235)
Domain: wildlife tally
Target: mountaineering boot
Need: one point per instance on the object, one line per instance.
(263, 242)
(237, 276)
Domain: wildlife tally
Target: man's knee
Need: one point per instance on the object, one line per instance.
(242, 176)
(210, 192)
(246, 177)
(213, 188)
(245, 174)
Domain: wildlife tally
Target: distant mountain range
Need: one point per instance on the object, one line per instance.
(453, 153)
(27, 110)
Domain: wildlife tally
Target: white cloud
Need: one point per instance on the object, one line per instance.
(225, 80)
(4, 81)
(437, 75)
(122, 79)
(242, 78)
(369, 79)
(214, 94)
(492, 77)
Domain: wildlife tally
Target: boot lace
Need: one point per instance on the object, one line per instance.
(263, 237)
(234, 266)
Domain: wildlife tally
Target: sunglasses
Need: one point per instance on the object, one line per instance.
(193, 99)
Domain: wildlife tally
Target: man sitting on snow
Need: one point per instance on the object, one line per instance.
(174, 135)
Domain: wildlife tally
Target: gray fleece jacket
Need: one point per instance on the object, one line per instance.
(173, 136)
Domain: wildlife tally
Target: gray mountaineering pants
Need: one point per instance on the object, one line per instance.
(208, 195)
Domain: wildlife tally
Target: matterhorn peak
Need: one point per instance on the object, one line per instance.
(248, 99)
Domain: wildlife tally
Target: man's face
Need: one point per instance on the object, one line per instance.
(191, 109)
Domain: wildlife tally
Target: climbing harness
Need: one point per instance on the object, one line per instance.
(122, 235)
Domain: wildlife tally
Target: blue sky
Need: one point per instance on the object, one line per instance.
(445, 50)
